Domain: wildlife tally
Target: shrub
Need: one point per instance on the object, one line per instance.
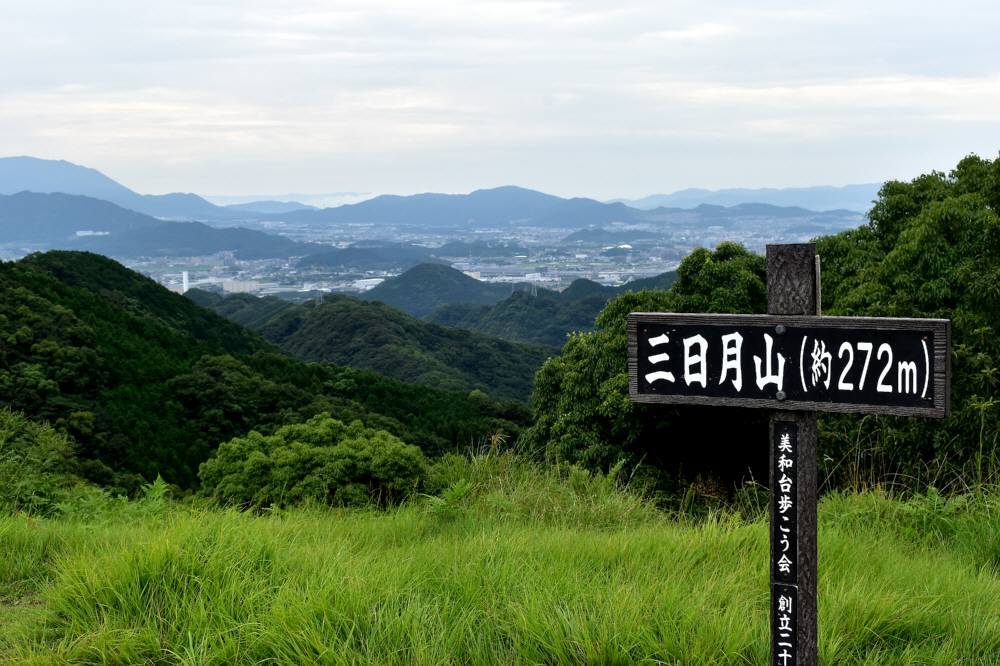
(932, 249)
(37, 465)
(321, 461)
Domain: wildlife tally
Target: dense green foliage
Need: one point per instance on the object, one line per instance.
(321, 461)
(543, 317)
(932, 249)
(146, 382)
(247, 310)
(37, 466)
(375, 336)
(510, 563)
(583, 412)
(424, 288)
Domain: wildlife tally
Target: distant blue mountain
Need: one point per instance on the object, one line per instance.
(503, 206)
(269, 207)
(33, 221)
(52, 220)
(482, 208)
(821, 198)
(19, 174)
(497, 207)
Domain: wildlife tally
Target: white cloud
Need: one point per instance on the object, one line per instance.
(700, 32)
(580, 97)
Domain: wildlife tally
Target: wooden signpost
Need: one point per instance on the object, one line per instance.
(795, 362)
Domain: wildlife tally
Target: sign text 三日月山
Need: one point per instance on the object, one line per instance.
(839, 364)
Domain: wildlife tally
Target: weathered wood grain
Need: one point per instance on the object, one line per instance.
(792, 289)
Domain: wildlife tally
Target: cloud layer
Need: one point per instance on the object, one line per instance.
(588, 98)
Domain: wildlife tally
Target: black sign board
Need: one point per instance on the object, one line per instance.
(784, 637)
(784, 542)
(813, 363)
(785, 503)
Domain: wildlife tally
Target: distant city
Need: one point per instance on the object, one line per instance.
(294, 249)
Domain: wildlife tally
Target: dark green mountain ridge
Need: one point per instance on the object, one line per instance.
(375, 336)
(147, 382)
(426, 287)
(541, 316)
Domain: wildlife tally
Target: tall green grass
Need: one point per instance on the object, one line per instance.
(505, 563)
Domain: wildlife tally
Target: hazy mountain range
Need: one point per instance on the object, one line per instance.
(850, 197)
(18, 174)
(495, 207)
(500, 205)
(517, 312)
(29, 220)
(56, 204)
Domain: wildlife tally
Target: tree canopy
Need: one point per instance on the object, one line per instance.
(145, 382)
(931, 249)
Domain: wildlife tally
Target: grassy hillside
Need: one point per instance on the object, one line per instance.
(512, 564)
(360, 334)
(147, 382)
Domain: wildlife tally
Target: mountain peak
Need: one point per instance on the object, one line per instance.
(33, 174)
(46, 176)
(426, 287)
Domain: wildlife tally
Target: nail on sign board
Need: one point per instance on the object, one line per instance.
(813, 363)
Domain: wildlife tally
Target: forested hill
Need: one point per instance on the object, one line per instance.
(448, 296)
(146, 381)
(372, 335)
(543, 317)
(424, 288)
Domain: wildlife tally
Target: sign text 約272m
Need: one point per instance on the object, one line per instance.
(813, 363)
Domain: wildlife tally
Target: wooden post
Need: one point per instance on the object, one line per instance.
(793, 289)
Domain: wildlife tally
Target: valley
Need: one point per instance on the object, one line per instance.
(504, 235)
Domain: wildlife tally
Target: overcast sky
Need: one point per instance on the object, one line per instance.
(600, 99)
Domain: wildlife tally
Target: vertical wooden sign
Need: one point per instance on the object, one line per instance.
(793, 289)
(795, 362)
